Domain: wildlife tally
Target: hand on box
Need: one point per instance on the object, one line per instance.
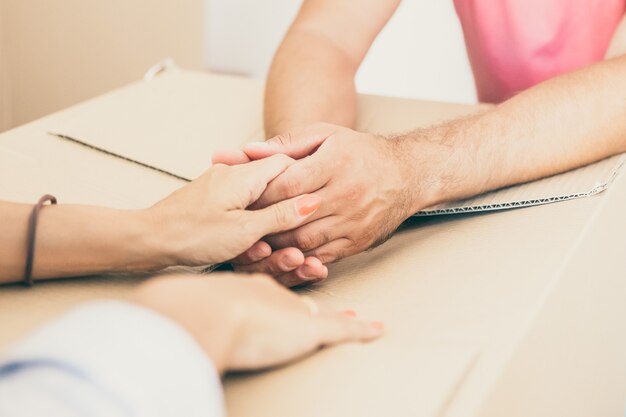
(362, 179)
(248, 322)
(207, 222)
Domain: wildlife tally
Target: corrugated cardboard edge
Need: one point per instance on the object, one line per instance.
(598, 188)
(460, 208)
(119, 156)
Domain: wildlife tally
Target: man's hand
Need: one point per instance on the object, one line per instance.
(363, 180)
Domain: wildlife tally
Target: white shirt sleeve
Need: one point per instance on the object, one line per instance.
(109, 358)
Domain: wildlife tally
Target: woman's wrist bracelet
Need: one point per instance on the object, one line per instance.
(32, 234)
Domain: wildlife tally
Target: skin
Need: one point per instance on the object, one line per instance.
(242, 322)
(561, 124)
(203, 223)
(247, 322)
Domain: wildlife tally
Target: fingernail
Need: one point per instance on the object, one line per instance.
(378, 325)
(308, 204)
(350, 313)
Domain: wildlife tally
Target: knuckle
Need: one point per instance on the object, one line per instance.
(219, 169)
(282, 139)
(280, 215)
(248, 228)
(290, 280)
(314, 169)
(351, 193)
(325, 257)
(290, 186)
(305, 240)
(282, 158)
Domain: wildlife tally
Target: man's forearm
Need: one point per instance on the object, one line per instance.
(311, 80)
(78, 240)
(564, 123)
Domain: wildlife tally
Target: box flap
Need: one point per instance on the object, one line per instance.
(582, 182)
(156, 124)
(173, 122)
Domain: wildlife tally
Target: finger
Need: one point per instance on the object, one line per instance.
(305, 176)
(311, 271)
(285, 215)
(333, 251)
(311, 235)
(257, 174)
(279, 262)
(335, 330)
(296, 143)
(260, 250)
(316, 307)
(230, 157)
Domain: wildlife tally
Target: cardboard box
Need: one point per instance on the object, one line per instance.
(516, 313)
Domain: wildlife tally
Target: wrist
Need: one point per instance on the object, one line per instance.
(213, 320)
(151, 244)
(437, 168)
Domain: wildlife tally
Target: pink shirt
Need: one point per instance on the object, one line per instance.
(515, 44)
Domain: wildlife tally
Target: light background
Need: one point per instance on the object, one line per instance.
(57, 53)
(420, 54)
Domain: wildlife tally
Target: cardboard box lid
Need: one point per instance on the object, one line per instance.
(177, 147)
(461, 290)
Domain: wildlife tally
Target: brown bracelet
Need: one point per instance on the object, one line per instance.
(32, 232)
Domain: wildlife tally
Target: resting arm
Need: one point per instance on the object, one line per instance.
(312, 76)
(561, 124)
(77, 240)
(569, 121)
(181, 229)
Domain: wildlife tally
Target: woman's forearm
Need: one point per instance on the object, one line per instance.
(74, 240)
(202, 223)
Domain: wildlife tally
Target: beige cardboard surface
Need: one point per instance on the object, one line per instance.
(578, 331)
(153, 121)
(183, 93)
(467, 299)
(424, 380)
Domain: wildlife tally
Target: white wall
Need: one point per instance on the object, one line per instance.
(420, 54)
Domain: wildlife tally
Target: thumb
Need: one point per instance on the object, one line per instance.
(296, 143)
(256, 175)
(285, 215)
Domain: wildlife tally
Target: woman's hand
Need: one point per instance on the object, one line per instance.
(248, 322)
(207, 222)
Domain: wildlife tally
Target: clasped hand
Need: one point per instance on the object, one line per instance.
(360, 178)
